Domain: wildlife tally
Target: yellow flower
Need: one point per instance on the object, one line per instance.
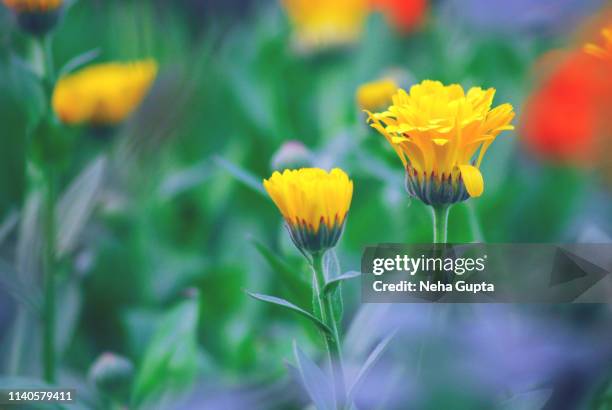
(322, 23)
(103, 94)
(376, 94)
(604, 51)
(33, 5)
(441, 135)
(314, 204)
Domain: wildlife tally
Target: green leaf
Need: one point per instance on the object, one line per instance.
(288, 305)
(79, 61)
(368, 364)
(13, 284)
(316, 383)
(333, 284)
(316, 308)
(22, 102)
(331, 267)
(337, 304)
(170, 362)
(77, 204)
(241, 174)
(530, 400)
(290, 277)
(8, 225)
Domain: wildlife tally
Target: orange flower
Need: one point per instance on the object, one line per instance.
(32, 5)
(404, 15)
(568, 117)
(560, 118)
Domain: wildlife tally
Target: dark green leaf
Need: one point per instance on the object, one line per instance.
(290, 277)
(316, 383)
(288, 305)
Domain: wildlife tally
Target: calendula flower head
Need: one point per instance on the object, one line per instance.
(324, 23)
(603, 51)
(36, 17)
(376, 95)
(103, 94)
(441, 135)
(314, 204)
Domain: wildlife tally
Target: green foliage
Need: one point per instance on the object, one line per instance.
(288, 305)
(173, 199)
(170, 363)
(316, 383)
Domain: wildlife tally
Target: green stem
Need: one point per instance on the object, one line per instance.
(49, 316)
(332, 343)
(49, 226)
(440, 223)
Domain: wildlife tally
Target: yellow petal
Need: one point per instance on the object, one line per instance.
(440, 141)
(472, 178)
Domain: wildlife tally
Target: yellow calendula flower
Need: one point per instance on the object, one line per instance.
(324, 23)
(602, 51)
(441, 135)
(103, 94)
(314, 203)
(376, 94)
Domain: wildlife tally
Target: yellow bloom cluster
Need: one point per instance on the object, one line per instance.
(310, 197)
(103, 94)
(33, 5)
(441, 133)
(604, 51)
(376, 94)
(322, 23)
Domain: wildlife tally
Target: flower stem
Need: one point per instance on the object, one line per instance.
(332, 342)
(49, 227)
(49, 279)
(440, 223)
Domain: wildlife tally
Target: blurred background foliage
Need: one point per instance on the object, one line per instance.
(170, 235)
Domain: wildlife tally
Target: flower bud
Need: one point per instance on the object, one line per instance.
(292, 154)
(36, 17)
(112, 374)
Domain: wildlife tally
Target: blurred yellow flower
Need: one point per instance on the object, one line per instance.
(32, 5)
(314, 203)
(376, 94)
(103, 94)
(604, 51)
(441, 135)
(323, 23)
